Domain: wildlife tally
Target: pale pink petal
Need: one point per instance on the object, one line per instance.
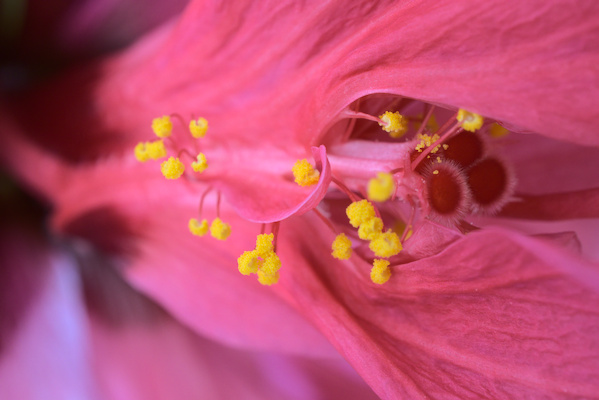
(43, 345)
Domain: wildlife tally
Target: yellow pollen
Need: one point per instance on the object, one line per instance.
(172, 168)
(197, 228)
(267, 279)
(201, 164)
(156, 150)
(220, 230)
(470, 121)
(382, 187)
(394, 123)
(271, 264)
(370, 229)
(162, 127)
(141, 154)
(497, 130)
(262, 260)
(436, 172)
(304, 173)
(341, 247)
(249, 262)
(427, 141)
(386, 244)
(359, 212)
(198, 128)
(380, 272)
(264, 243)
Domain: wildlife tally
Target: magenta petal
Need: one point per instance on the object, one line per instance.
(272, 198)
(494, 315)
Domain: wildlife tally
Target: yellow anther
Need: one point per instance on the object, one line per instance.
(382, 187)
(163, 126)
(370, 229)
(271, 264)
(201, 164)
(267, 279)
(304, 173)
(380, 272)
(470, 121)
(155, 150)
(359, 212)
(386, 244)
(198, 128)
(497, 130)
(197, 228)
(249, 262)
(220, 230)
(341, 247)
(264, 243)
(172, 168)
(394, 123)
(141, 153)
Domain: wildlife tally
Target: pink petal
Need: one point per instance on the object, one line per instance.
(272, 198)
(140, 352)
(196, 279)
(494, 315)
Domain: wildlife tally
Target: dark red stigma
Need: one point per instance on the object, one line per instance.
(464, 149)
(488, 181)
(445, 191)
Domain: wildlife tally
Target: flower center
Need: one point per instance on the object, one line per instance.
(399, 163)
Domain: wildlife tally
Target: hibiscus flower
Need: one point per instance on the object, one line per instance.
(463, 312)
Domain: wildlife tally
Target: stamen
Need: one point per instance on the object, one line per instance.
(380, 272)
(382, 187)
(394, 123)
(172, 168)
(220, 230)
(150, 150)
(386, 244)
(263, 260)
(201, 164)
(359, 212)
(341, 247)
(470, 121)
(198, 128)
(198, 229)
(370, 229)
(249, 262)
(162, 126)
(304, 173)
